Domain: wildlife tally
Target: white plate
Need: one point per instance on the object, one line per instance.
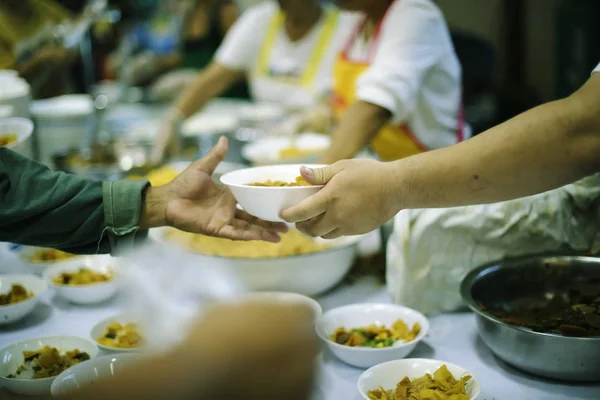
(11, 358)
(85, 294)
(17, 311)
(99, 329)
(361, 315)
(267, 202)
(387, 375)
(267, 150)
(91, 371)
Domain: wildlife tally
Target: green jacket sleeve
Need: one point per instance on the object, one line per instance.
(41, 207)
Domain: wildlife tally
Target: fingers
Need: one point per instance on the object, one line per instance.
(211, 161)
(319, 226)
(320, 176)
(272, 226)
(308, 208)
(244, 230)
(336, 233)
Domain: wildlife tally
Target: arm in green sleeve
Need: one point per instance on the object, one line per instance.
(41, 207)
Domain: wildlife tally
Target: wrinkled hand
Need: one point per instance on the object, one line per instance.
(267, 352)
(357, 198)
(193, 202)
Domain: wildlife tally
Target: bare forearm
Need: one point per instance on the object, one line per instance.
(357, 128)
(542, 149)
(211, 82)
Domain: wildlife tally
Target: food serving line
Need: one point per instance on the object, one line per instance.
(452, 337)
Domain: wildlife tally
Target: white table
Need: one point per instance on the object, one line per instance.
(453, 338)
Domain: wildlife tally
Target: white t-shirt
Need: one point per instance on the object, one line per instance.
(597, 68)
(242, 46)
(414, 72)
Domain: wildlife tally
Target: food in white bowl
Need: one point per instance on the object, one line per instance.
(303, 148)
(30, 366)
(92, 280)
(285, 298)
(90, 372)
(38, 259)
(403, 374)
(298, 263)
(19, 294)
(15, 134)
(266, 202)
(364, 315)
(120, 333)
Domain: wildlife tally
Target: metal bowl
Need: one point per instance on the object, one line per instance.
(521, 281)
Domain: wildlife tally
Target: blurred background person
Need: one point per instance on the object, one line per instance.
(179, 34)
(397, 84)
(28, 44)
(285, 49)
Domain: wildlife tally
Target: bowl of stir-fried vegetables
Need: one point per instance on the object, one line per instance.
(364, 335)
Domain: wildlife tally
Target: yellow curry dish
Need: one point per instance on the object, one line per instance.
(49, 255)
(159, 176)
(375, 336)
(83, 276)
(47, 362)
(295, 152)
(300, 181)
(293, 243)
(16, 294)
(119, 336)
(5, 140)
(441, 386)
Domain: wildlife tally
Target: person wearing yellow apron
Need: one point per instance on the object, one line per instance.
(286, 51)
(397, 82)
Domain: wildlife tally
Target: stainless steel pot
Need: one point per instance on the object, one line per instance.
(506, 284)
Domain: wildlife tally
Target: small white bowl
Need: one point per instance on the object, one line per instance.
(25, 253)
(361, 315)
(267, 150)
(85, 294)
(11, 358)
(267, 202)
(99, 329)
(21, 127)
(17, 311)
(387, 375)
(91, 371)
(285, 298)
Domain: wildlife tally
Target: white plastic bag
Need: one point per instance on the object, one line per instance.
(430, 251)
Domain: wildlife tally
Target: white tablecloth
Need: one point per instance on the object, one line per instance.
(453, 338)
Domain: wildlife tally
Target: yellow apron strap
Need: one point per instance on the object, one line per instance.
(262, 64)
(312, 68)
(327, 32)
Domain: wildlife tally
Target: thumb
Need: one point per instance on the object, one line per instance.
(320, 176)
(211, 161)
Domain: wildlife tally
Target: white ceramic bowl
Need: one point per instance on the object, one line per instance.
(267, 150)
(285, 298)
(307, 274)
(267, 202)
(25, 253)
(91, 371)
(21, 127)
(15, 312)
(11, 358)
(99, 329)
(387, 375)
(361, 315)
(85, 294)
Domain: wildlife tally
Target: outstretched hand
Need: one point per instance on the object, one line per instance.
(193, 202)
(357, 198)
